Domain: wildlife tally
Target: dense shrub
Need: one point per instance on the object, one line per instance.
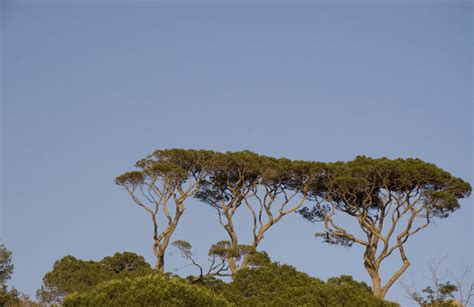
(8, 298)
(70, 274)
(152, 290)
(126, 280)
(283, 285)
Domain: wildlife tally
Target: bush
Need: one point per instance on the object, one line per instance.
(70, 274)
(283, 285)
(126, 280)
(152, 290)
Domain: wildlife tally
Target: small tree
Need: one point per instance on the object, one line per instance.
(219, 254)
(445, 290)
(390, 200)
(266, 186)
(165, 180)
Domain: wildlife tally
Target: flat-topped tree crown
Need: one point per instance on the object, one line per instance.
(191, 160)
(228, 177)
(363, 182)
(175, 165)
(232, 173)
(165, 179)
(130, 179)
(234, 169)
(268, 187)
(385, 197)
(305, 176)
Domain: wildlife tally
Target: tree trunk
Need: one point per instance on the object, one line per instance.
(377, 288)
(232, 266)
(160, 263)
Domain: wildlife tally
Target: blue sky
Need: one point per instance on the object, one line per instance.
(90, 87)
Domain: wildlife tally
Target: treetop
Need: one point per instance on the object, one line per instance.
(222, 174)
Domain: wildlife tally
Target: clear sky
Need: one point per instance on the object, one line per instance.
(90, 87)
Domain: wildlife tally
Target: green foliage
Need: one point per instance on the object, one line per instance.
(223, 250)
(390, 200)
(173, 166)
(351, 181)
(366, 186)
(376, 192)
(110, 282)
(282, 285)
(259, 259)
(271, 285)
(126, 262)
(6, 265)
(74, 275)
(231, 174)
(70, 274)
(207, 281)
(131, 179)
(219, 255)
(152, 290)
(184, 247)
(11, 297)
(338, 181)
(348, 280)
(441, 295)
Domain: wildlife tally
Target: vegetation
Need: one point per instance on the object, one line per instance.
(6, 265)
(283, 285)
(153, 290)
(390, 200)
(219, 254)
(74, 275)
(10, 297)
(165, 179)
(6, 270)
(269, 285)
(267, 187)
(445, 290)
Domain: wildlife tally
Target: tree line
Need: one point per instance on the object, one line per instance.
(126, 279)
(390, 201)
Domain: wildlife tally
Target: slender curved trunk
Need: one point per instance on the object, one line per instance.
(234, 245)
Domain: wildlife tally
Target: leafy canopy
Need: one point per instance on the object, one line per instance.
(353, 181)
(173, 166)
(369, 186)
(151, 290)
(283, 285)
(70, 274)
